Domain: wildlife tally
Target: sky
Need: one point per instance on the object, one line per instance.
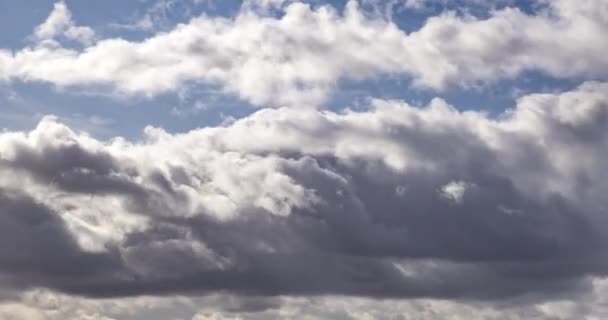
(285, 159)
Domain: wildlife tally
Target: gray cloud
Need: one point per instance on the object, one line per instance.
(396, 201)
(38, 250)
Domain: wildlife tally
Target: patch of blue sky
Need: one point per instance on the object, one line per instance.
(492, 97)
(410, 18)
(18, 19)
(106, 17)
(157, 16)
(105, 115)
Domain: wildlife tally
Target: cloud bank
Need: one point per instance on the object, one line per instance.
(397, 201)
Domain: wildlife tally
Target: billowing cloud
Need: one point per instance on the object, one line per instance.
(396, 201)
(297, 57)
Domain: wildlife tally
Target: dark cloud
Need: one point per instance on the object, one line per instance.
(38, 250)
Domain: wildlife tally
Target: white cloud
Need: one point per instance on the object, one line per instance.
(60, 23)
(298, 57)
(455, 191)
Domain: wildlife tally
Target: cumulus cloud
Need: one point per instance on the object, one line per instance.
(297, 201)
(296, 58)
(60, 23)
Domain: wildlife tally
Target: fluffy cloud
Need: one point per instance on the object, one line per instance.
(60, 23)
(296, 201)
(297, 57)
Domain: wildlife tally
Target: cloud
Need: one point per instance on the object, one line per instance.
(45, 249)
(297, 57)
(60, 23)
(301, 212)
(303, 202)
(454, 191)
(425, 4)
(43, 304)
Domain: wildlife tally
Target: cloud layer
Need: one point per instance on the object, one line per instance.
(274, 61)
(396, 201)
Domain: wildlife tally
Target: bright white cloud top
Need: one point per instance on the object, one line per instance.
(391, 211)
